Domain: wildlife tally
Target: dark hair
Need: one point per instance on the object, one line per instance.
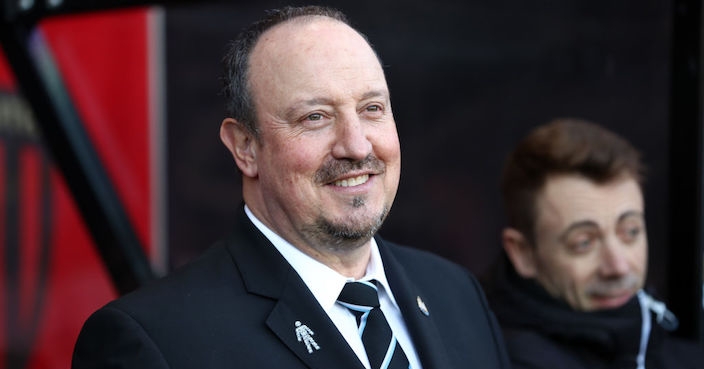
(236, 89)
(563, 146)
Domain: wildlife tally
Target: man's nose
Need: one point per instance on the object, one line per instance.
(351, 138)
(614, 259)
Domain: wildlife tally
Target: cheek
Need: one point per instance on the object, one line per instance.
(392, 158)
(383, 136)
(387, 143)
(577, 272)
(294, 157)
(639, 258)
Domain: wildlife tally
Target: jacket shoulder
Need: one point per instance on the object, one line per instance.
(427, 268)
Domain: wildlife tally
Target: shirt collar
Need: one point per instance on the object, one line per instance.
(324, 282)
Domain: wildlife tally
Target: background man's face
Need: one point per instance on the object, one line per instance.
(591, 244)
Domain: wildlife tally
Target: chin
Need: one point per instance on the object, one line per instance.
(610, 302)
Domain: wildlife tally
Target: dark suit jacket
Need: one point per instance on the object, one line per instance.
(236, 307)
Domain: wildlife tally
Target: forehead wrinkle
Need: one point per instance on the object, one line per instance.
(374, 94)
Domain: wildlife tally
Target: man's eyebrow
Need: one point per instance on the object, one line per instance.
(375, 93)
(576, 225)
(628, 214)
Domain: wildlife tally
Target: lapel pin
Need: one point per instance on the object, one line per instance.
(305, 335)
(422, 307)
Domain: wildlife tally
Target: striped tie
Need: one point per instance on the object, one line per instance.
(382, 349)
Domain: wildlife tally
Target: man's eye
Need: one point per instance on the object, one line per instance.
(582, 245)
(315, 116)
(373, 108)
(631, 234)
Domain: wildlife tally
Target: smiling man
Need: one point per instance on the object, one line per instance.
(570, 294)
(304, 281)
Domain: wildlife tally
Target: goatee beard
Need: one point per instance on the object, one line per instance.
(338, 237)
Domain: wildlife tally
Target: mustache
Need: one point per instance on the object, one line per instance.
(333, 168)
(608, 286)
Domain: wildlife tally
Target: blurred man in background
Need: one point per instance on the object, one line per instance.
(572, 295)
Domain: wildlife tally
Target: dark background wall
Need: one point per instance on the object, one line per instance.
(468, 79)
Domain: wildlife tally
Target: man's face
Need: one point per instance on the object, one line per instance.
(591, 244)
(328, 157)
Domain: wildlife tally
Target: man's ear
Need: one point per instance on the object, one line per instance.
(242, 144)
(520, 252)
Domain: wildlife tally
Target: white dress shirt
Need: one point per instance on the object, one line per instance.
(326, 285)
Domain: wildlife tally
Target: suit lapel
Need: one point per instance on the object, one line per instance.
(422, 328)
(297, 309)
(265, 272)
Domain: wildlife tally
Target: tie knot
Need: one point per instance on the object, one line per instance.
(361, 293)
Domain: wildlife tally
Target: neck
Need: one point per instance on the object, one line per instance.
(351, 263)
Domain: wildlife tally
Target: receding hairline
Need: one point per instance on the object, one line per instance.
(301, 21)
(264, 39)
